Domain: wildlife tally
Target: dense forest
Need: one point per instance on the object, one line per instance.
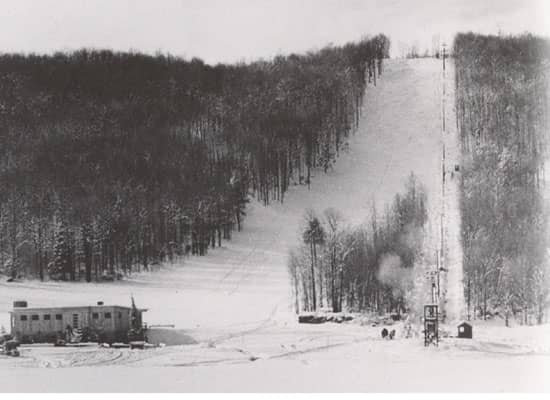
(112, 162)
(503, 110)
(363, 268)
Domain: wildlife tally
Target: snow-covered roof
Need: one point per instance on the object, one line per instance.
(69, 308)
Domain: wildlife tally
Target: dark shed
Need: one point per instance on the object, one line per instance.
(465, 330)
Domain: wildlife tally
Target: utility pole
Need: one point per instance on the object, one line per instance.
(444, 52)
(442, 253)
(434, 275)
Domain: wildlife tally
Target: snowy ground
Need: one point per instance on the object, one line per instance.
(233, 308)
(296, 358)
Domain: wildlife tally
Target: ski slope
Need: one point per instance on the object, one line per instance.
(233, 307)
(246, 281)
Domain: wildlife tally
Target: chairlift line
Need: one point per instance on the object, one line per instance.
(440, 258)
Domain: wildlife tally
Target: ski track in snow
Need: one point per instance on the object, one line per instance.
(235, 303)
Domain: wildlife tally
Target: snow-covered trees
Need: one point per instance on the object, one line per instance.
(349, 268)
(59, 266)
(502, 102)
(336, 252)
(314, 236)
(144, 158)
(541, 290)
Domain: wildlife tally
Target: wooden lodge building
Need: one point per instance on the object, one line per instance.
(47, 324)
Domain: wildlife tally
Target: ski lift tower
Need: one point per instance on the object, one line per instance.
(431, 325)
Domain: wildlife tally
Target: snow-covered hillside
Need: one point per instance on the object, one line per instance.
(246, 280)
(234, 305)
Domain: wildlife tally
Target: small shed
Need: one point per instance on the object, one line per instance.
(465, 330)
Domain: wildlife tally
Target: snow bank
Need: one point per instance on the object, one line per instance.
(170, 337)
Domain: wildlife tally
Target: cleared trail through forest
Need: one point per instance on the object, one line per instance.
(244, 285)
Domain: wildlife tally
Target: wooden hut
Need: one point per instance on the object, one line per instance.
(465, 330)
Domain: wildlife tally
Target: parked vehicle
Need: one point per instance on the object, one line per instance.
(9, 346)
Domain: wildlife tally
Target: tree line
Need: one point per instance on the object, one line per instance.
(112, 162)
(502, 103)
(363, 268)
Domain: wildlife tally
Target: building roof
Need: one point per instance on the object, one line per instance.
(69, 308)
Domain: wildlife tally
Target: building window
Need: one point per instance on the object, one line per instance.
(23, 317)
(95, 315)
(107, 315)
(46, 317)
(34, 317)
(119, 315)
(75, 320)
(58, 317)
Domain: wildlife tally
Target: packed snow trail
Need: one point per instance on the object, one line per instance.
(310, 358)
